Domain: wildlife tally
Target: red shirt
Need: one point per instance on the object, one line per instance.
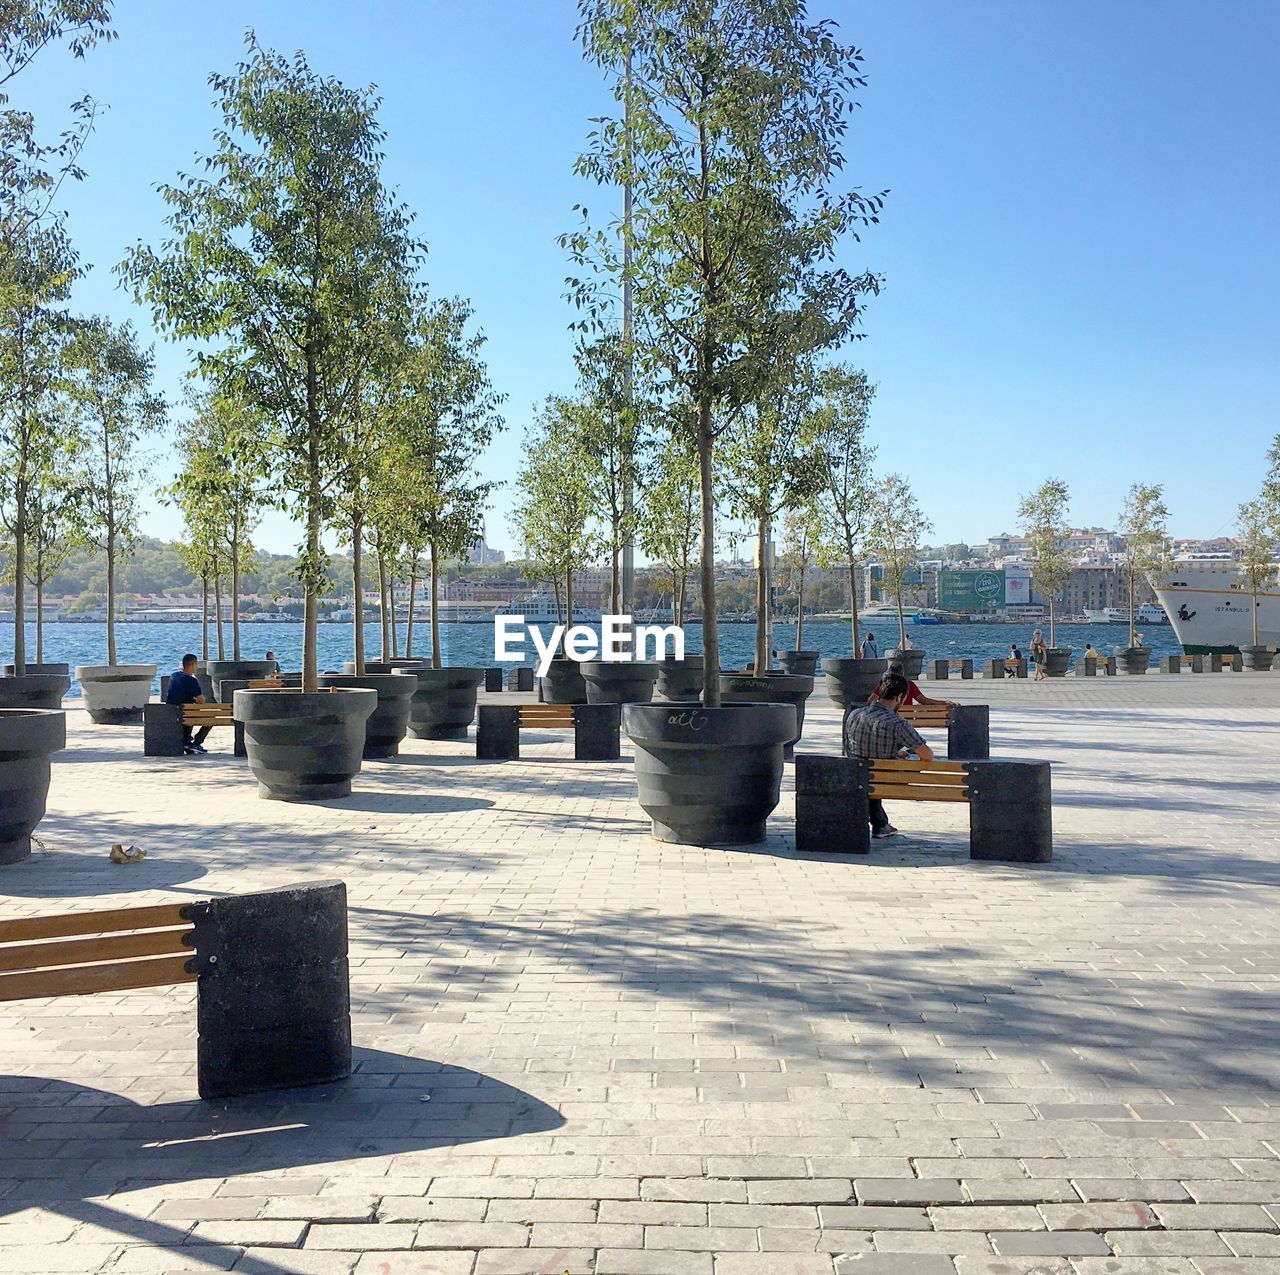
(913, 695)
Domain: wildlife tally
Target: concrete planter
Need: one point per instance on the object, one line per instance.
(242, 670)
(1133, 659)
(801, 663)
(1057, 660)
(444, 704)
(386, 666)
(115, 693)
(610, 682)
(32, 667)
(850, 682)
(27, 738)
(1257, 658)
(34, 690)
(912, 661)
(563, 683)
(709, 776)
(389, 722)
(304, 747)
(769, 688)
(681, 679)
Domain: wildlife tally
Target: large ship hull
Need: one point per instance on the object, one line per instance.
(1211, 610)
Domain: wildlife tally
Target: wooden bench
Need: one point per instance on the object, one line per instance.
(597, 729)
(968, 726)
(1000, 668)
(1088, 666)
(1010, 809)
(942, 669)
(270, 969)
(162, 726)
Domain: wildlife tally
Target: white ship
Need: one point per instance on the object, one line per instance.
(1211, 609)
(540, 608)
(1148, 613)
(888, 611)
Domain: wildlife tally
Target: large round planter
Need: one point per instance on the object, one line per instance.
(444, 704)
(1057, 660)
(115, 693)
(800, 663)
(769, 688)
(243, 670)
(32, 667)
(27, 737)
(389, 722)
(304, 746)
(850, 682)
(563, 683)
(709, 776)
(618, 682)
(912, 661)
(1133, 659)
(34, 690)
(386, 666)
(681, 679)
(1257, 658)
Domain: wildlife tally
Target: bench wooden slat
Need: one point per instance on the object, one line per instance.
(117, 920)
(917, 792)
(84, 951)
(121, 976)
(920, 767)
(941, 781)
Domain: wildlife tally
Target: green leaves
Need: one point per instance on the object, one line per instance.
(1043, 518)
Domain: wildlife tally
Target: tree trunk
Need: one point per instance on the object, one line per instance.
(800, 613)
(853, 602)
(395, 623)
(204, 618)
(385, 652)
(1255, 624)
(40, 617)
(763, 636)
(357, 594)
(613, 581)
(710, 638)
(235, 587)
(20, 575)
(435, 607)
(111, 594)
(217, 612)
(1052, 637)
(902, 622)
(408, 621)
(1131, 619)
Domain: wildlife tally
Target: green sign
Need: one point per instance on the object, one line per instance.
(970, 591)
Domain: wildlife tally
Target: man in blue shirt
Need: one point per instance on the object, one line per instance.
(185, 689)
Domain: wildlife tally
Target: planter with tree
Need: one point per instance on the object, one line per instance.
(28, 737)
(1144, 526)
(799, 551)
(897, 528)
(1258, 563)
(731, 134)
(1043, 516)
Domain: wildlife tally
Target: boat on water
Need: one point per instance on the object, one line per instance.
(540, 608)
(1147, 613)
(889, 611)
(1210, 606)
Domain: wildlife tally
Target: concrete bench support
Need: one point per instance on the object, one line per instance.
(520, 679)
(1171, 664)
(1219, 662)
(831, 804)
(1010, 811)
(969, 732)
(941, 669)
(162, 731)
(498, 732)
(273, 990)
(493, 679)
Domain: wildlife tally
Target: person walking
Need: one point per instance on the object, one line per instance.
(1039, 652)
(868, 648)
(185, 689)
(877, 731)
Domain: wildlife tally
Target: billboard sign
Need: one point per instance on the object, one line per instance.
(1017, 585)
(969, 591)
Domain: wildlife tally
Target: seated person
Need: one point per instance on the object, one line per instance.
(914, 694)
(185, 689)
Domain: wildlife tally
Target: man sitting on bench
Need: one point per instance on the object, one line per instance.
(914, 694)
(876, 730)
(185, 689)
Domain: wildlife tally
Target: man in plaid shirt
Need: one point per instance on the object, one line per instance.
(876, 730)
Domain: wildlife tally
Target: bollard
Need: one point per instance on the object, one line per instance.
(273, 1006)
(831, 804)
(969, 732)
(939, 669)
(497, 732)
(1171, 664)
(1010, 811)
(597, 731)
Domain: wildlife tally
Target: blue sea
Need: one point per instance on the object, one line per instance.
(472, 644)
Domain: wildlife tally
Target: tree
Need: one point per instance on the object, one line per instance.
(839, 433)
(669, 519)
(114, 411)
(1256, 542)
(281, 256)
(802, 533)
(730, 138)
(1043, 518)
(1143, 525)
(1271, 490)
(897, 528)
(57, 531)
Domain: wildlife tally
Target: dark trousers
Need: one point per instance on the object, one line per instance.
(875, 808)
(191, 736)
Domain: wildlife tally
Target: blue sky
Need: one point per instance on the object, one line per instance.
(1079, 247)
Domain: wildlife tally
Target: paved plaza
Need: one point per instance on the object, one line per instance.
(581, 1050)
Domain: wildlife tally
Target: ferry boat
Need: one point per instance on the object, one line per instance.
(1211, 608)
(889, 611)
(1148, 613)
(540, 608)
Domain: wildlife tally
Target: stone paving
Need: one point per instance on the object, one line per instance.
(580, 1050)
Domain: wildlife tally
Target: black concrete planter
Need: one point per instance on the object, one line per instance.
(444, 704)
(850, 682)
(563, 683)
(709, 776)
(801, 663)
(387, 666)
(34, 690)
(1133, 659)
(610, 682)
(32, 667)
(389, 722)
(27, 738)
(1258, 658)
(912, 661)
(115, 693)
(681, 679)
(304, 746)
(242, 670)
(1057, 660)
(769, 688)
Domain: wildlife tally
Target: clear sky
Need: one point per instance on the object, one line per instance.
(1080, 245)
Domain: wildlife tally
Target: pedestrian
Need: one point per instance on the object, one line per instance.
(185, 689)
(914, 694)
(877, 731)
(906, 644)
(1015, 658)
(868, 648)
(1039, 650)
(270, 657)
